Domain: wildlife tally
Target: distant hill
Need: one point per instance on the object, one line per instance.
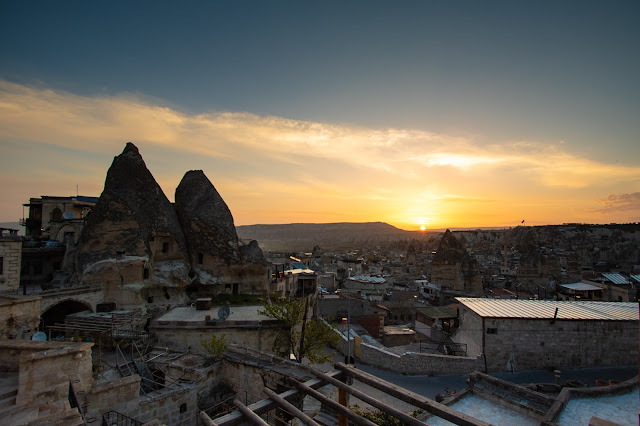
(329, 236)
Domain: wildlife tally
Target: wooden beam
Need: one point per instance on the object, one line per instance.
(266, 405)
(206, 420)
(255, 419)
(290, 408)
(412, 421)
(333, 406)
(412, 398)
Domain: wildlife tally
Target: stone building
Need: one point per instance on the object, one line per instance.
(184, 328)
(57, 218)
(10, 259)
(539, 334)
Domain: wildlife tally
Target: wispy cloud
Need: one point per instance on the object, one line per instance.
(255, 155)
(619, 203)
(70, 120)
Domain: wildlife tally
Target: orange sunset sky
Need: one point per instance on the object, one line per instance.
(412, 113)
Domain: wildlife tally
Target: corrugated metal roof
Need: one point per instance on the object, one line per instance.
(545, 309)
(636, 277)
(616, 278)
(369, 279)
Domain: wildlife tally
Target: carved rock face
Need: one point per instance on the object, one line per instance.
(450, 250)
(210, 231)
(142, 249)
(207, 221)
(133, 222)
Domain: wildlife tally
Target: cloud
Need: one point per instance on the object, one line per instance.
(74, 121)
(619, 203)
(280, 164)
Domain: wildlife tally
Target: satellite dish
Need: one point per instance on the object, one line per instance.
(224, 312)
(40, 336)
(68, 215)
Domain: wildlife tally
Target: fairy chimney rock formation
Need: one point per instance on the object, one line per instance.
(453, 267)
(216, 255)
(133, 244)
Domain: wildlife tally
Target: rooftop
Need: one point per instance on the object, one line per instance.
(581, 286)
(191, 314)
(546, 309)
(616, 278)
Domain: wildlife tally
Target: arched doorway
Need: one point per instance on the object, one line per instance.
(58, 312)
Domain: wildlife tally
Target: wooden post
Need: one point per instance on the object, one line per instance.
(343, 399)
(342, 387)
(334, 406)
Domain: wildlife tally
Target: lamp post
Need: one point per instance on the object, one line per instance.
(348, 318)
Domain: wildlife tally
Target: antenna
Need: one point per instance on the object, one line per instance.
(224, 312)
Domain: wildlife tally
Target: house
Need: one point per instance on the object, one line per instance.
(537, 334)
(57, 218)
(432, 321)
(186, 327)
(581, 291)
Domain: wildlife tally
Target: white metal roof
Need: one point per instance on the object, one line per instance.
(581, 286)
(616, 278)
(545, 309)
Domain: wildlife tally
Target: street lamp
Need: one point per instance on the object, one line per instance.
(348, 318)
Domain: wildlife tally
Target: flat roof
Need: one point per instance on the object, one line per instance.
(438, 311)
(545, 309)
(237, 313)
(581, 286)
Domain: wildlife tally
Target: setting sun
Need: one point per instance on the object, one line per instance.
(422, 228)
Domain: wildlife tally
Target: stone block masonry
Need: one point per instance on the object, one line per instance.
(11, 258)
(412, 362)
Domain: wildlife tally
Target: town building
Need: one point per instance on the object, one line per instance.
(10, 259)
(57, 218)
(515, 335)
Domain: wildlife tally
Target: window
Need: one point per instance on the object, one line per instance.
(1, 265)
(183, 408)
(492, 330)
(145, 273)
(200, 258)
(165, 247)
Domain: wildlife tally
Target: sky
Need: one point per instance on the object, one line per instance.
(415, 113)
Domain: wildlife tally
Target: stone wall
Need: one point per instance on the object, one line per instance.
(170, 405)
(182, 337)
(46, 368)
(19, 316)
(412, 362)
(11, 257)
(523, 344)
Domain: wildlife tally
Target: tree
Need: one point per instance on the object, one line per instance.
(216, 346)
(300, 335)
